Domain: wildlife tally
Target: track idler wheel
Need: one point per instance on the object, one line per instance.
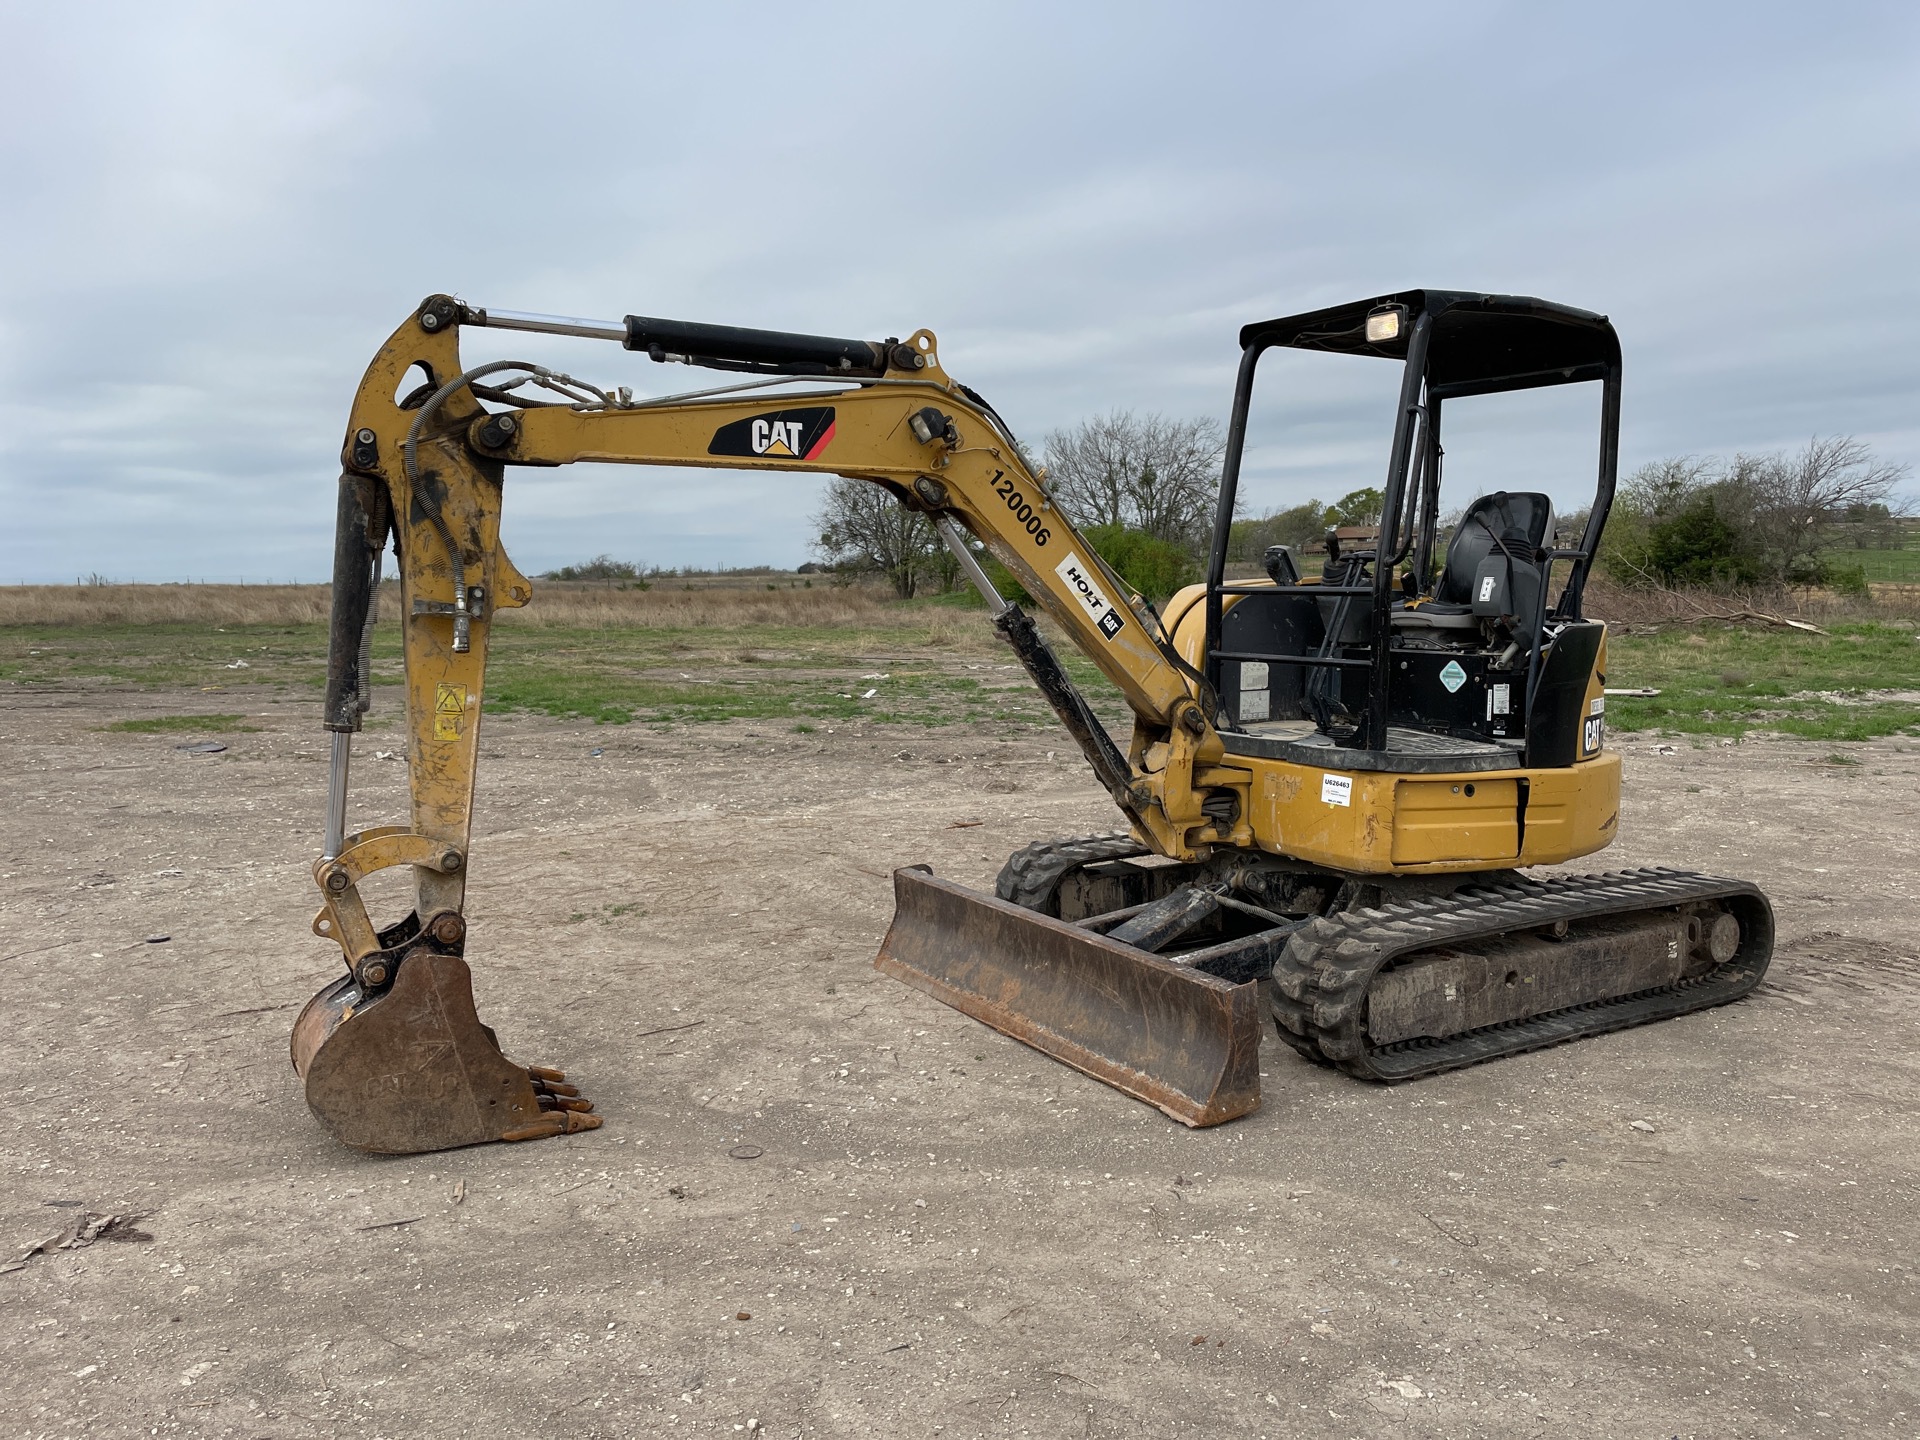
(410, 1068)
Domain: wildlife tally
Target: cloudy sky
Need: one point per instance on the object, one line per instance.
(215, 215)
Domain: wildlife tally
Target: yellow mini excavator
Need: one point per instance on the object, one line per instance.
(1332, 787)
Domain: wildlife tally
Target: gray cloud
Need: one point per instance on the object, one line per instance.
(218, 213)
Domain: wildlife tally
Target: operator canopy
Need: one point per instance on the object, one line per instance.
(1478, 342)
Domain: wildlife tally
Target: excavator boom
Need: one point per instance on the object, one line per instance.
(393, 1055)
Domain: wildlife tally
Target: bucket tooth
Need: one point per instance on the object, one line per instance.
(1178, 1038)
(412, 1069)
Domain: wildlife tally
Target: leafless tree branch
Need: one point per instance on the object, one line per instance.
(1147, 472)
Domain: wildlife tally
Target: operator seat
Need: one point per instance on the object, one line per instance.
(1494, 566)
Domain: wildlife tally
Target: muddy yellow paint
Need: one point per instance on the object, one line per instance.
(1397, 823)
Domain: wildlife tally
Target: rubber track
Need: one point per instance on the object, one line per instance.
(1032, 875)
(1320, 984)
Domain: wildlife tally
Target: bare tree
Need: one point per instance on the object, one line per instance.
(862, 525)
(1662, 486)
(1146, 472)
(1799, 499)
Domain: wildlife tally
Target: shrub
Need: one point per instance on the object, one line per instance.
(601, 567)
(1849, 580)
(1696, 546)
(1154, 568)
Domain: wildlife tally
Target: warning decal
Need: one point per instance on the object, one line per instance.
(449, 709)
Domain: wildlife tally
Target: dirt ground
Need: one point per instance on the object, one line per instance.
(1705, 1228)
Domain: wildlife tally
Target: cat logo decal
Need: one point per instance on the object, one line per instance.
(779, 434)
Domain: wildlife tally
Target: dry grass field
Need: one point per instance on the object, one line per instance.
(722, 602)
(803, 649)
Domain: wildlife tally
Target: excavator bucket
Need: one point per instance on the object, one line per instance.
(412, 1069)
(1182, 1040)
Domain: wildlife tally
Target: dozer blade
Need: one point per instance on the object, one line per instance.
(412, 1068)
(1177, 1038)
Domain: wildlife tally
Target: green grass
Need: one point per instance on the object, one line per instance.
(925, 664)
(164, 657)
(1718, 680)
(181, 725)
(805, 677)
(1885, 566)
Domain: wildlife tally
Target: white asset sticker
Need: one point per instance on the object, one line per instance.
(1336, 789)
(1452, 676)
(1598, 706)
(1080, 580)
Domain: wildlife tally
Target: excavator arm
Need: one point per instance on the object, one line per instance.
(393, 1055)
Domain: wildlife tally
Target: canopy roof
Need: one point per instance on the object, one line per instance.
(1479, 342)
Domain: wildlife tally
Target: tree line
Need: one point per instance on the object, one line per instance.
(1778, 519)
(1142, 488)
